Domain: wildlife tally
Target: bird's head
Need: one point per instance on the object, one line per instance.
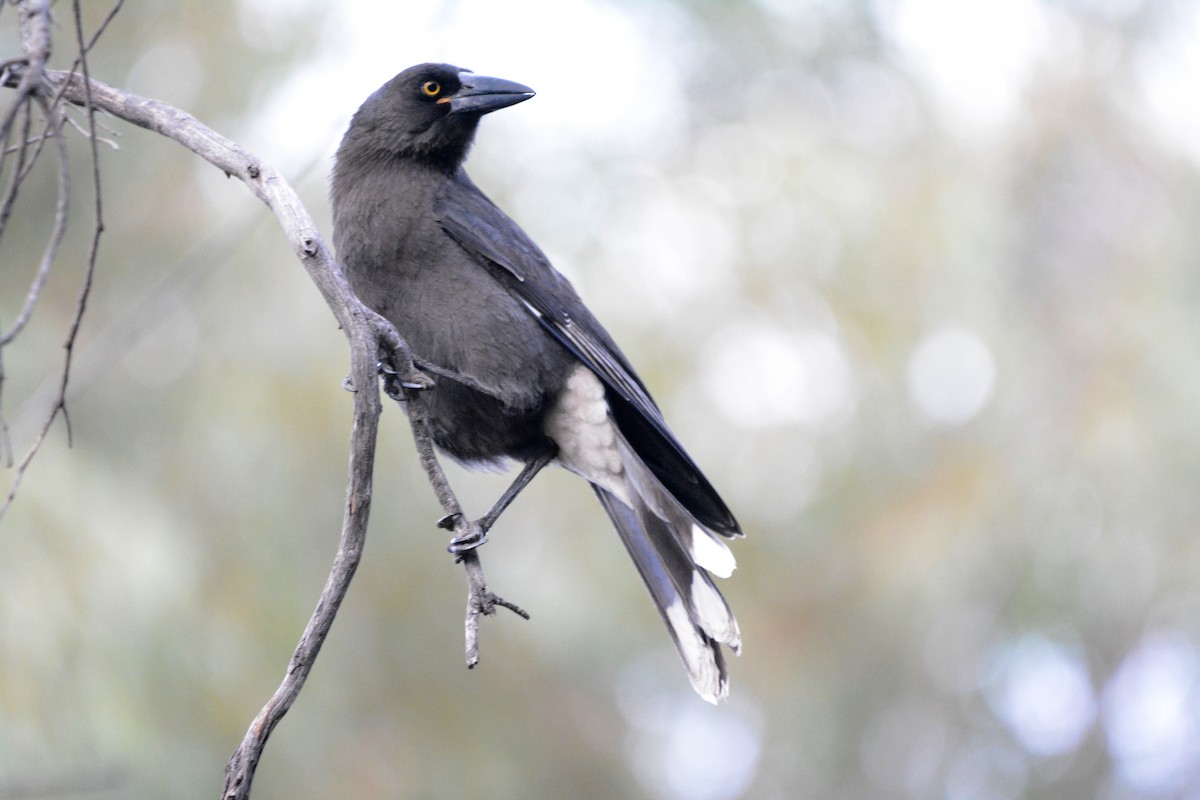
(428, 112)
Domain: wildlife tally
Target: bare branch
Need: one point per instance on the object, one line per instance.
(48, 255)
(55, 121)
(266, 183)
(365, 338)
(59, 227)
(34, 24)
(112, 13)
(94, 123)
(480, 599)
(372, 339)
(19, 171)
(25, 75)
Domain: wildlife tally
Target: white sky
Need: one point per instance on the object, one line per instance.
(1169, 77)
(975, 55)
(610, 75)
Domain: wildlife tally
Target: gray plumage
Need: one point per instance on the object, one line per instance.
(473, 295)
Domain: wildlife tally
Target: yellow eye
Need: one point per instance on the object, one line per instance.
(431, 88)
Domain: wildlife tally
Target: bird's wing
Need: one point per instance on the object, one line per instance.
(499, 245)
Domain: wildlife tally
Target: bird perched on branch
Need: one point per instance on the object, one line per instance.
(522, 369)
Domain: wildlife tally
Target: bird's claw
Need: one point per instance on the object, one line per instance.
(468, 541)
(396, 383)
(475, 534)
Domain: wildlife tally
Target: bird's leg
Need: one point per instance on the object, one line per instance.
(478, 530)
(528, 472)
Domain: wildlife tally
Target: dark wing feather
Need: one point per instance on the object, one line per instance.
(486, 233)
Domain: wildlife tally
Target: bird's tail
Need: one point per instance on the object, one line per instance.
(671, 552)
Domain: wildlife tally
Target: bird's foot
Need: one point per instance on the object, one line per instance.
(473, 537)
(398, 385)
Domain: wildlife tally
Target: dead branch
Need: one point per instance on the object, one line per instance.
(371, 338)
(480, 599)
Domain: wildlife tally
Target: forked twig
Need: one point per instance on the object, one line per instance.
(480, 599)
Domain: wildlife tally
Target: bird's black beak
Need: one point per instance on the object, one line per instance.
(480, 94)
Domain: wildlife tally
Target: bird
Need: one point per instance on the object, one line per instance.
(523, 371)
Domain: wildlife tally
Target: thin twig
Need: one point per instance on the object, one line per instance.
(480, 599)
(19, 148)
(60, 223)
(39, 141)
(34, 24)
(85, 290)
(6, 206)
(50, 253)
(33, 140)
(112, 13)
(18, 173)
(94, 123)
(58, 229)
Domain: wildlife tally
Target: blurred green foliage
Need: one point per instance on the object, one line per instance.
(917, 285)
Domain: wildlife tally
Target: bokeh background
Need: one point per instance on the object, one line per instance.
(916, 280)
